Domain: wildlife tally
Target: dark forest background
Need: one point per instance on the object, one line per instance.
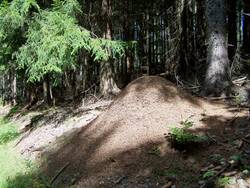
(59, 51)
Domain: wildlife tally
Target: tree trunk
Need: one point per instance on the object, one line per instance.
(14, 86)
(201, 38)
(45, 91)
(232, 28)
(127, 37)
(51, 97)
(217, 76)
(246, 27)
(4, 90)
(107, 82)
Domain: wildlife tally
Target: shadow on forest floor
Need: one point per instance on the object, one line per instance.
(54, 116)
(151, 164)
(126, 146)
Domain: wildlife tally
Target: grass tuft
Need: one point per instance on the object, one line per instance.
(8, 131)
(16, 172)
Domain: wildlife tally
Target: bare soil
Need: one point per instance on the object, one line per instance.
(126, 145)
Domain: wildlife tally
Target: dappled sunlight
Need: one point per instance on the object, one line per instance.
(128, 143)
(124, 94)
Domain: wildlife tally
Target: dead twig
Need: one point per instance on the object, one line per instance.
(212, 179)
(219, 98)
(245, 140)
(23, 137)
(119, 180)
(59, 172)
(212, 139)
(231, 122)
(240, 80)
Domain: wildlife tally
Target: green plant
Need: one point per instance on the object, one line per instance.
(8, 131)
(14, 109)
(208, 174)
(182, 135)
(223, 181)
(237, 157)
(216, 158)
(170, 173)
(238, 99)
(47, 42)
(16, 171)
(187, 123)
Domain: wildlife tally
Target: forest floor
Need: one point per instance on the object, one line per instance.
(124, 143)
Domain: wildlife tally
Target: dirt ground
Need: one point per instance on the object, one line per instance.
(123, 144)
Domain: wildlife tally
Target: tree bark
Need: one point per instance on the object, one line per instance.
(246, 26)
(217, 76)
(4, 89)
(14, 86)
(107, 76)
(127, 37)
(232, 28)
(45, 91)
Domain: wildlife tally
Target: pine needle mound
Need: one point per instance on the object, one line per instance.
(121, 139)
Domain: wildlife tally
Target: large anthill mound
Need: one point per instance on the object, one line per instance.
(126, 144)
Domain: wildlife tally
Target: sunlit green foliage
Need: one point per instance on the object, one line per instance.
(50, 39)
(8, 131)
(13, 17)
(224, 181)
(183, 136)
(16, 171)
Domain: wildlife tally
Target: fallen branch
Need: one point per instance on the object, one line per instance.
(210, 180)
(245, 140)
(212, 139)
(219, 98)
(231, 122)
(23, 137)
(59, 172)
(240, 80)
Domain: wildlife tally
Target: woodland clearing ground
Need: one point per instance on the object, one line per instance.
(19, 163)
(121, 142)
(126, 146)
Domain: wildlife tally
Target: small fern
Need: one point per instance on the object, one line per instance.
(224, 181)
(208, 174)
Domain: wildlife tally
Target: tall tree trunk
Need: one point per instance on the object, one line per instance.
(217, 76)
(14, 86)
(107, 82)
(86, 73)
(232, 28)
(51, 97)
(33, 98)
(246, 26)
(45, 91)
(201, 38)
(175, 31)
(127, 37)
(4, 89)
(183, 65)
